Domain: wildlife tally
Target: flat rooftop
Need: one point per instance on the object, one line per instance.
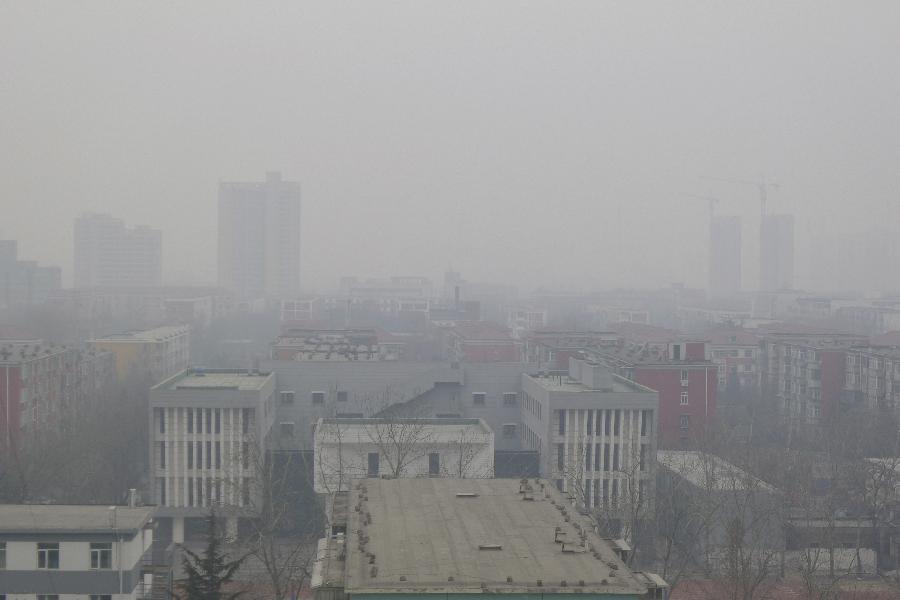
(157, 334)
(465, 536)
(414, 431)
(71, 518)
(210, 380)
(564, 383)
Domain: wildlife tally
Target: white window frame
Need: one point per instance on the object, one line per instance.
(684, 399)
(286, 397)
(44, 553)
(317, 394)
(479, 399)
(97, 556)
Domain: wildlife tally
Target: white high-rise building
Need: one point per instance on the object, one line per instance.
(724, 256)
(259, 237)
(107, 253)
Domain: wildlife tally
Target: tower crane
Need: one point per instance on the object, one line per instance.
(712, 202)
(761, 185)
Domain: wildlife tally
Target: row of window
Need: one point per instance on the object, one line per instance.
(196, 418)
(194, 454)
(532, 405)
(48, 555)
(509, 398)
(196, 493)
(597, 457)
(609, 426)
(373, 465)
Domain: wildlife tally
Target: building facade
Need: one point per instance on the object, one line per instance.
(259, 237)
(154, 353)
(23, 282)
(350, 449)
(872, 378)
(50, 552)
(208, 429)
(42, 386)
(776, 256)
(108, 253)
(595, 431)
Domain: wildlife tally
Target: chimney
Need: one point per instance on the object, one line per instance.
(132, 498)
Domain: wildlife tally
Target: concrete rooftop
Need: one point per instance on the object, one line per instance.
(206, 380)
(71, 518)
(426, 538)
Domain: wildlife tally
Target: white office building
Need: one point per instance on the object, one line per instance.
(208, 429)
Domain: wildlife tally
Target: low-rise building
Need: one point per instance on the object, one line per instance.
(872, 378)
(154, 353)
(458, 538)
(480, 342)
(334, 345)
(208, 429)
(735, 353)
(63, 551)
(347, 449)
(596, 432)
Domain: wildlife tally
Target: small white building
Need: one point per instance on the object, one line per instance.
(347, 449)
(65, 551)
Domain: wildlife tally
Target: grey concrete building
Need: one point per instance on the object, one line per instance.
(23, 282)
(208, 429)
(64, 551)
(107, 253)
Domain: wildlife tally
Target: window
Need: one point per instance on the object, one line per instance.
(48, 597)
(218, 455)
(162, 419)
(209, 455)
(101, 555)
(617, 421)
(208, 420)
(590, 421)
(684, 376)
(48, 556)
(561, 415)
(318, 397)
(342, 396)
(190, 455)
(287, 397)
(748, 353)
(190, 491)
(199, 455)
(560, 457)
(685, 421)
(190, 420)
(684, 398)
(101, 597)
(2, 555)
(373, 464)
(509, 430)
(245, 454)
(199, 420)
(509, 399)
(646, 422)
(218, 420)
(434, 463)
(162, 455)
(162, 490)
(478, 398)
(246, 419)
(287, 429)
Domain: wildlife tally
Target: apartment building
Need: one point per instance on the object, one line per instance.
(484, 537)
(155, 353)
(259, 237)
(804, 370)
(872, 378)
(107, 253)
(735, 353)
(480, 342)
(350, 449)
(523, 319)
(44, 385)
(207, 431)
(24, 282)
(596, 431)
(53, 552)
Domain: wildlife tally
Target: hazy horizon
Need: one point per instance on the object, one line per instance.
(528, 143)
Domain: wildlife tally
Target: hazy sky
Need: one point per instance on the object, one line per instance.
(516, 141)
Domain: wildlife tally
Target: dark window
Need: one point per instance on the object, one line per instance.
(560, 457)
(606, 457)
(287, 397)
(162, 491)
(615, 458)
(342, 396)
(588, 454)
(162, 419)
(561, 414)
(162, 455)
(685, 421)
(48, 556)
(559, 484)
(616, 421)
(218, 455)
(247, 418)
(509, 430)
(606, 422)
(478, 398)
(434, 463)
(52, 597)
(590, 421)
(676, 352)
(373, 464)
(190, 454)
(644, 449)
(199, 455)
(101, 555)
(199, 420)
(190, 420)
(509, 399)
(646, 422)
(218, 420)
(209, 455)
(101, 597)
(245, 491)
(597, 449)
(287, 429)
(245, 454)
(208, 420)
(190, 491)
(318, 397)
(2, 555)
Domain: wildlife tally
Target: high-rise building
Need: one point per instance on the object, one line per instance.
(724, 255)
(259, 237)
(107, 253)
(776, 253)
(23, 282)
